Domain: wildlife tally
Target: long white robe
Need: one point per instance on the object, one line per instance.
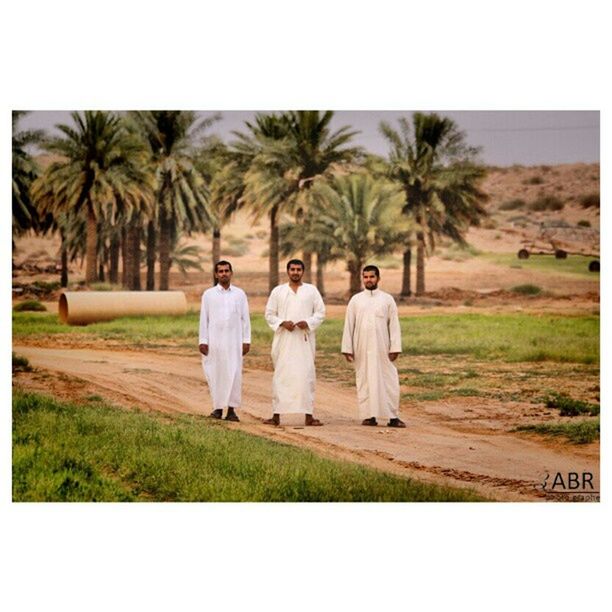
(293, 353)
(224, 325)
(371, 332)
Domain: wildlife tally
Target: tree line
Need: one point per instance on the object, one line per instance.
(125, 187)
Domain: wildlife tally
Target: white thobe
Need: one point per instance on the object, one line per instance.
(225, 326)
(293, 352)
(371, 332)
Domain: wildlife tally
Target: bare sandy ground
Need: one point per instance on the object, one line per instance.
(445, 445)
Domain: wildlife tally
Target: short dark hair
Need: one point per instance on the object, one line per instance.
(295, 262)
(372, 269)
(223, 263)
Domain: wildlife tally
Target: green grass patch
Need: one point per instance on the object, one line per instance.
(492, 337)
(578, 433)
(66, 452)
(574, 265)
(29, 306)
(571, 407)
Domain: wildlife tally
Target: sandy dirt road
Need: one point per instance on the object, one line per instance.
(435, 447)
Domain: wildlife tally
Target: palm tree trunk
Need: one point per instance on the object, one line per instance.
(91, 245)
(114, 259)
(135, 247)
(64, 255)
(420, 264)
(164, 251)
(406, 291)
(354, 267)
(151, 256)
(307, 257)
(216, 249)
(127, 259)
(321, 274)
(273, 258)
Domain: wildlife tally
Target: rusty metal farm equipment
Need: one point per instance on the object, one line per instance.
(560, 239)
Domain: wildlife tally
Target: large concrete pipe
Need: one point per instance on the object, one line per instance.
(83, 307)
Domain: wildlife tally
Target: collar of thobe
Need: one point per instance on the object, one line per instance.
(372, 292)
(222, 290)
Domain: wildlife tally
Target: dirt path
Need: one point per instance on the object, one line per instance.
(495, 463)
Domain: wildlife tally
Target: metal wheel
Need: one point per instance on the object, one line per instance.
(523, 254)
(594, 266)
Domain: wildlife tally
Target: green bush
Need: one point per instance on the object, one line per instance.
(533, 180)
(30, 306)
(584, 223)
(569, 406)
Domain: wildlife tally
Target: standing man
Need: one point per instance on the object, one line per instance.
(294, 310)
(372, 340)
(225, 337)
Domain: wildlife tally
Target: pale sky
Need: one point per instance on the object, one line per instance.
(506, 137)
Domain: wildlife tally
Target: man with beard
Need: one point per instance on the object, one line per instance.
(372, 340)
(225, 337)
(294, 310)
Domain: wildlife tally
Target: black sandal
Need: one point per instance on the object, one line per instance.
(396, 423)
(371, 422)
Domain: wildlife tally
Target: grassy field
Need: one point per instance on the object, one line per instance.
(581, 432)
(575, 265)
(95, 452)
(496, 337)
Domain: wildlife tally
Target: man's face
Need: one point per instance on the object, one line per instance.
(370, 280)
(223, 274)
(295, 273)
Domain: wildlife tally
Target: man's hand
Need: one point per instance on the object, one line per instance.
(204, 349)
(349, 357)
(245, 348)
(288, 325)
(393, 356)
(302, 325)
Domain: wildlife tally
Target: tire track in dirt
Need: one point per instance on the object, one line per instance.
(499, 465)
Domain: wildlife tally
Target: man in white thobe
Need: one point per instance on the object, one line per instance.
(225, 337)
(294, 310)
(372, 340)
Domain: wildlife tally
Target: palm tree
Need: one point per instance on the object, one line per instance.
(101, 171)
(25, 171)
(362, 217)
(223, 171)
(291, 151)
(182, 196)
(263, 189)
(437, 172)
(312, 153)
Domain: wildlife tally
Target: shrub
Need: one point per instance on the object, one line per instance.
(569, 406)
(546, 203)
(584, 223)
(527, 289)
(533, 180)
(512, 204)
(103, 287)
(589, 200)
(30, 305)
(21, 364)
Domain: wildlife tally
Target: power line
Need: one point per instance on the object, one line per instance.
(536, 129)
